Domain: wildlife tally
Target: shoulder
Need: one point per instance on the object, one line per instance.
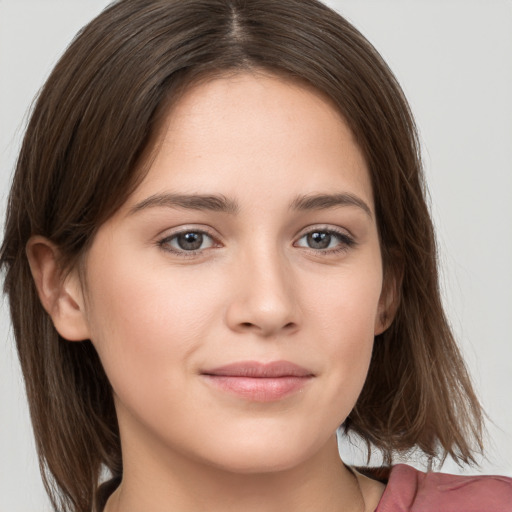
(410, 490)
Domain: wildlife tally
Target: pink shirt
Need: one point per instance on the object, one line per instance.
(410, 490)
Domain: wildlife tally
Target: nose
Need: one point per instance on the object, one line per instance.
(264, 299)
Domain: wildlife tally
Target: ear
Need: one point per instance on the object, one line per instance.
(389, 301)
(60, 294)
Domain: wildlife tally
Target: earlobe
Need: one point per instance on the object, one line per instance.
(60, 294)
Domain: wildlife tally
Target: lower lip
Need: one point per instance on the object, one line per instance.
(260, 389)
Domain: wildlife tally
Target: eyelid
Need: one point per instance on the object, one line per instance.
(324, 227)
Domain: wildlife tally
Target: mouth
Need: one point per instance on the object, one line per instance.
(259, 382)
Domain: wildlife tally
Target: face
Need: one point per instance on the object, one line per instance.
(234, 298)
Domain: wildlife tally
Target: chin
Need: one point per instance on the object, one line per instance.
(253, 464)
(264, 453)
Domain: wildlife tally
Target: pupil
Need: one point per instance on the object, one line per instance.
(319, 240)
(190, 241)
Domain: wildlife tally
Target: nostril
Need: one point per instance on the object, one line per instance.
(290, 326)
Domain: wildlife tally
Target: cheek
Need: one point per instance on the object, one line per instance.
(348, 304)
(145, 323)
(345, 314)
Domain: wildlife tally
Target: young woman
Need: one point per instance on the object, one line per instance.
(217, 252)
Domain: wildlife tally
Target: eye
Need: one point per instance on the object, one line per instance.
(190, 241)
(325, 240)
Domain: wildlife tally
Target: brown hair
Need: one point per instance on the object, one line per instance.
(81, 156)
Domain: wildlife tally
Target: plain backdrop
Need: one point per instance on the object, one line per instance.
(454, 61)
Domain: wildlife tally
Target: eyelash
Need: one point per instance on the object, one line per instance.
(345, 242)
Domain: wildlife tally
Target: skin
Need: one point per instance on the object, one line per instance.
(160, 316)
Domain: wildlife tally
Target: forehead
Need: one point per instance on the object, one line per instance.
(254, 126)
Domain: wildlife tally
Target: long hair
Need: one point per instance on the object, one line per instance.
(83, 153)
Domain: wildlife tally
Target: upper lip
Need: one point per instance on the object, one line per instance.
(256, 369)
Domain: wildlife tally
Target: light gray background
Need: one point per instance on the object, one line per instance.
(454, 61)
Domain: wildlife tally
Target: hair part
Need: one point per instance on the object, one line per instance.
(86, 148)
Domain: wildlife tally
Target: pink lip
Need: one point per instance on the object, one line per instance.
(259, 382)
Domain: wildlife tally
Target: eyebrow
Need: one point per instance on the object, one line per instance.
(220, 203)
(326, 201)
(214, 203)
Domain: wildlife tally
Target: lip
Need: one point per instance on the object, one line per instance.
(259, 382)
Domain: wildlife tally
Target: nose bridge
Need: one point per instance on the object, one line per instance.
(264, 300)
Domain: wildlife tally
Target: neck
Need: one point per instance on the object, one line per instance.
(320, 483)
